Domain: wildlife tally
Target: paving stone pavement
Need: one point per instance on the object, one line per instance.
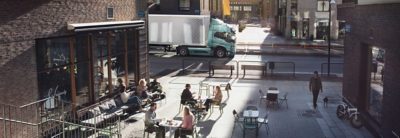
(296, 121)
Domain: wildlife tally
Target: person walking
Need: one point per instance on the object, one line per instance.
(315, 87)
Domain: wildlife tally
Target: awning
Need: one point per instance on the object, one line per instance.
(97, 26)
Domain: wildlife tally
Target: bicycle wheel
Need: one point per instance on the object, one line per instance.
(340, 111)
(356, 122)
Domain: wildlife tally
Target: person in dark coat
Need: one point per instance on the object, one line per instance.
(315, 87)
(187, 96)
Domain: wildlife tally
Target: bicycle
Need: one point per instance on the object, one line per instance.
(343, 111)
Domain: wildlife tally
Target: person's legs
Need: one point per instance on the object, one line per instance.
(207, 104)
(315, 98)
(177, 133)
(160, 133)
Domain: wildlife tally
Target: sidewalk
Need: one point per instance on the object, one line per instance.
(257, 40)
(296, 121)
(253, 35)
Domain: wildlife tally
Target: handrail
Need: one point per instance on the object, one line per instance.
(322, 66)
(32, 103)
(395, 134)
(17, 121)
(202, 60)
(244, 61)
(282, 62)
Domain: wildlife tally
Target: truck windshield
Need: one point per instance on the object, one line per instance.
(228, 37)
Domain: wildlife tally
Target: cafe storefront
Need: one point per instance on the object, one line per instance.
(83, 68)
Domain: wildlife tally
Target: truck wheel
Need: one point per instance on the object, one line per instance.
(220, 52)
(183, 51)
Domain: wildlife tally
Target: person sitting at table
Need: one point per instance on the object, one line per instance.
(121, 86)
(187, 97)
(151, 123)
(216, 100)
(141, 89)
(156, 89)
(187, 123)
(155, 86)
(133, 102)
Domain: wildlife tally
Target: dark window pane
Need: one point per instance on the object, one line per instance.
(117, 42)
(100, 77)
(131, 40)
(99, 46)
(55, 82)
(117, 69)
(52, 52)
(82, 83)
(81, 48)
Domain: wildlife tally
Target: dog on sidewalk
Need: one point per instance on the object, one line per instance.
(326, 101)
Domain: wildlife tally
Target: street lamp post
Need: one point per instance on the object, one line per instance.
(329, 37)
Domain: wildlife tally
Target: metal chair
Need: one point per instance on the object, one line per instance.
(284, 99)
(250, 124)
(219, 105)
(263, 121)
(188, 131)
(147, 130)
(227, 87)
(272, 98)
(238, 120)
(262, 96)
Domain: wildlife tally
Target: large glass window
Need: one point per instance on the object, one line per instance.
(82, 69)
(100, 63)
(132, 46)
(53, 69)
(117, 57)
(293, 7)
(100, 59)
(52, 53)
(376, 83)
(322, 5)
(184, 5)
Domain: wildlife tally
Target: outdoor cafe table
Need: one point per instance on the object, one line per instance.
(172, 125)
(272, 95)
(250, 118)
(251, 114)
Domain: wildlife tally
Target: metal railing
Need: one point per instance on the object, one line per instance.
(52, 117)
(201, 63)
(273, 65)
(257, 64)
(325, 64)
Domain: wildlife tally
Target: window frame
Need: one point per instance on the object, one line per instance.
(323, 6)
(182, 6)
(108, 12)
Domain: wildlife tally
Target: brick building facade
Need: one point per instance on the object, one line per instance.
(371, 62)
(43, 42)
(20, 26)
(307, 19)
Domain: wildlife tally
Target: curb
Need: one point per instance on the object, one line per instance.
(293, 45)
(254, 52)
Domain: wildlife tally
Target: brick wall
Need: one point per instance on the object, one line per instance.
(21, 22)
(373, 25)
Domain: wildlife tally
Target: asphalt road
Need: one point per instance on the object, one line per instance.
(161, 63)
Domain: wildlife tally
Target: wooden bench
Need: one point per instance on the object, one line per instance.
(261, 67)
(221, 67)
